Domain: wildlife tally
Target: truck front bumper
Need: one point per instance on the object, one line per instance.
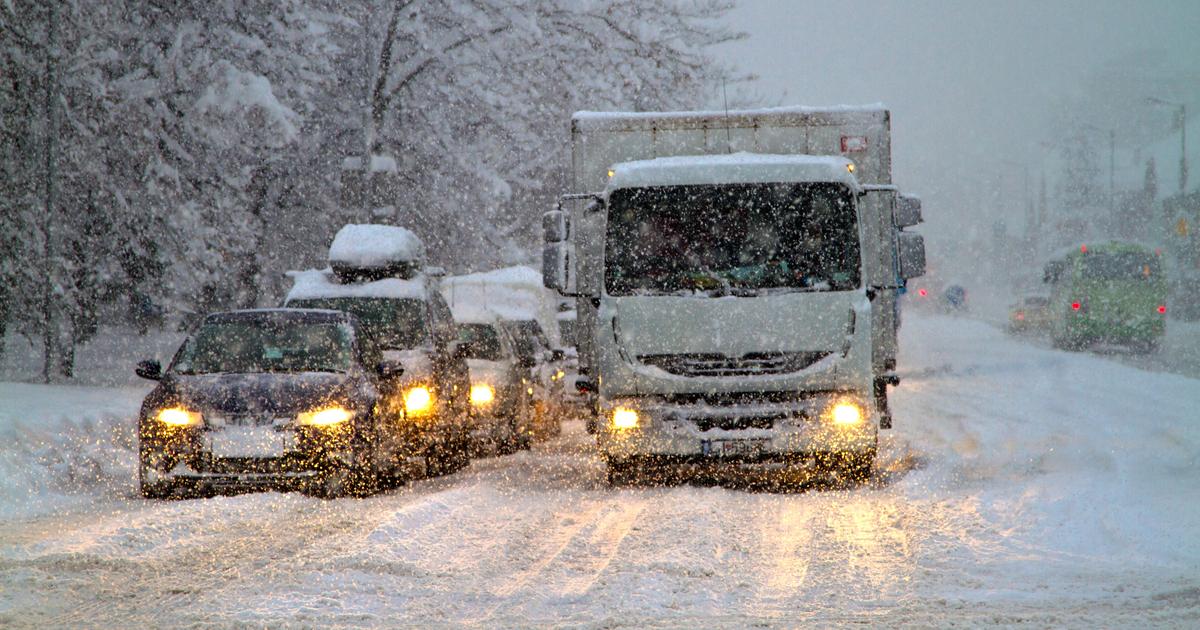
(773, 432)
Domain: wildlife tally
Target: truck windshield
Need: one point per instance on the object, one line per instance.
(731, 239)
(1128, 266)
(394, 324)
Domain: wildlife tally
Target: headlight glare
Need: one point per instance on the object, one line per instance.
(418, 400)
(324, 417)
(846, 414)
(179, 417)
(624, 418)
(482, 394)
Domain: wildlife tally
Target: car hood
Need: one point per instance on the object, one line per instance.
(267, 394)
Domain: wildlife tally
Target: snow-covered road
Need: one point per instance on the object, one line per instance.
(1022, 486)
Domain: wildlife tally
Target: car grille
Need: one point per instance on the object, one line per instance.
(737, 423)
(759, 363)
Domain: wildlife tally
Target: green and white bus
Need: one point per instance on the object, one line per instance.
(1112, 292)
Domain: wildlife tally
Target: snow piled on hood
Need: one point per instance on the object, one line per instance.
(365, 246)
(320, 283)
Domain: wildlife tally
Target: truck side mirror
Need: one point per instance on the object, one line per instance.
(557, 261)
(556, 227)
(912, 255)
(907, 211)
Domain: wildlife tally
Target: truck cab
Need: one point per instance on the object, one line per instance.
(735, 308)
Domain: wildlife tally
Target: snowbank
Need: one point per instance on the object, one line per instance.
(364, 245)
(62, 445)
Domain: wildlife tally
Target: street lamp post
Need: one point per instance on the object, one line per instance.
(1183, 167)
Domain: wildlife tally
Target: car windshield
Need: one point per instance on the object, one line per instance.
(731, 239)
(394, 324)
(266, 345)
(482, 341)
(1121, 266)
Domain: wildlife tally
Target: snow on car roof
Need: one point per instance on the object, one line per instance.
(589, 120)
(734, 168)
(365, 245)
(320, 283)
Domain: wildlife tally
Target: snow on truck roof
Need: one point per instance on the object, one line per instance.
(796, 114)
(320, 284)
(734, 168)
(364, 246)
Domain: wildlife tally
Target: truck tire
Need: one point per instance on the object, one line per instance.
(620, 473)
(855, 467)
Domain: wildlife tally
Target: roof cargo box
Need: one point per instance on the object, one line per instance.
(361, 253)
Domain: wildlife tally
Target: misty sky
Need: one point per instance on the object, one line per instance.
(972, 85)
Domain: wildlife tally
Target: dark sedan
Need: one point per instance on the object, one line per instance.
(271, 398)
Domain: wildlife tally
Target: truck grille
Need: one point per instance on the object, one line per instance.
(758, 363)
(737, 423)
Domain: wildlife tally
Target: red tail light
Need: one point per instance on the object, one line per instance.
(922, 292)
(1162, 309)
(1020, 316)
(1075, 306)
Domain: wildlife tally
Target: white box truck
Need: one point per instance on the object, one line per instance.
(736, 276)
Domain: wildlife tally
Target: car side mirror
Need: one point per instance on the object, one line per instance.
(389, 369)
(150, 369)
(557, 354)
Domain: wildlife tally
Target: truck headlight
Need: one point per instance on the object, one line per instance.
(324, 417)
(846, 414)
(179, 417)
(624, 419)
(418, 400)
(482, 394)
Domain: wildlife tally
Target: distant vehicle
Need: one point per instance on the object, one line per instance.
(1031, 314)
(546, 374)
(954, 298)
(1112, 292)
(501, 399)
(377, 274)
(271, 398)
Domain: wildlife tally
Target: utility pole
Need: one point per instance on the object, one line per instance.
(1183, 166)
(49, 330)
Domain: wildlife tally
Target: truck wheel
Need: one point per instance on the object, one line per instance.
(855, 467)
(622, 472)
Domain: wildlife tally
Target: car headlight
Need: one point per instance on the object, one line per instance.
(179, 417)
(418, 400)
(624, 418)
(482, 394)
(324, 417)
(846, 414)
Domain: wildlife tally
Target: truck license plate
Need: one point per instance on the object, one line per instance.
(733, 448)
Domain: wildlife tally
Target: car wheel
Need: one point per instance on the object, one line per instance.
(341, 480)
(148, 485)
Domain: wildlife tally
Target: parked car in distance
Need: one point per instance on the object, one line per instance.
(271, 398)
(501, 395)
(1031, 314)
